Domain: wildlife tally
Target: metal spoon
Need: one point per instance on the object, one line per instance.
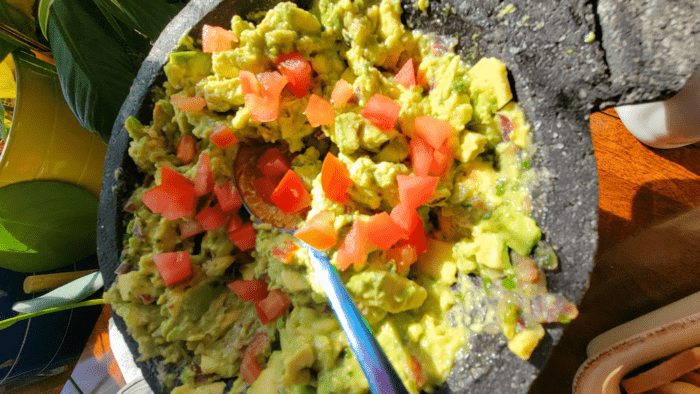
(378, 370)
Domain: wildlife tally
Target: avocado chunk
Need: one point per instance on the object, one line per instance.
(187, 68)
(520, 231)
(386, 290)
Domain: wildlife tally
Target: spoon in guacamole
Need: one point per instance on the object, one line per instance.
(378, 370)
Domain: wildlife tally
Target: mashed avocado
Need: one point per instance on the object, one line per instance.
(481, 270)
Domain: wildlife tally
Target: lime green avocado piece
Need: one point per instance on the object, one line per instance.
(520, 231)
(188, 67)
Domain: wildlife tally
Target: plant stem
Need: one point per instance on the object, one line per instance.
(8, 322)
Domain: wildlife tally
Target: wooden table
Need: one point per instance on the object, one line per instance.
(639, 186)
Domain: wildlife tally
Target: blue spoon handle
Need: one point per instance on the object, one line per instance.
(380, 373)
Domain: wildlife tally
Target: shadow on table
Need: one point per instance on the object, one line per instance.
(644, 270)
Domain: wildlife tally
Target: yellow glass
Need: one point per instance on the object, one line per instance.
(46, 141)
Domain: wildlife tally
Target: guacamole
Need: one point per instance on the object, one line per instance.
(198, 292)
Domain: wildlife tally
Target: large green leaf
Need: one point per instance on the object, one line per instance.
(95, 67)
(46, 225)
(149, 17)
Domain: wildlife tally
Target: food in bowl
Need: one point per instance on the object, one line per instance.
(410, 168)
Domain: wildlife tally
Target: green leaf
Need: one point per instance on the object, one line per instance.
(17, 19)
(149, 17)
(46, 225)
(43, 16)
(94, 65)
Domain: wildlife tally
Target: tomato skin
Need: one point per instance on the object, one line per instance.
(382, 111)
(189, 228)
(342, 93)
(168, 176)
(187, 104)
(249, 290)
(171, 201)
(223, 137)
(416, 190)
(264, 187)
(290, 195)
(211, 218)
(442, 160)
(204, 180)
(354, 247)
(228, 196)
(406, 77)
(298, 71)
(405, 217)
(272, 306)
(174, 267)
(319, 231)
(382, 231)
(186, 149)
(264, 107)
(284, 252)
(421, 156)
(250, 369)
(243, 237)
(217, 39)
(434, 131)
(404, 254)
(249, 84)
(335, 179)
(234, 223)
(273, 164)
(319, 111)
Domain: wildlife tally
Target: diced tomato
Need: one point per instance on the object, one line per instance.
(341, 94)
(417, 237)
(319, 231)
(272, 83)
(298, 71)
(406, 217)
(434, 131)
(249, 84)
(284, 252)
(250, 369)
(354, 247)
(249, 290)
(416, 190)
(211, 218)
(223, 137)
(319, 111)
(506, 126)
(406, 77)
(243, 237)
(234, 223)
(187, 104)
(335, 179)
(404, 254)
(264, 107)
(172, 201)
(442, 160)
(273, 306)
(264, 187)
(258, 344)
(273, 164)
(421, 156)
(290, 195)
(189, 228)
(382, 111)
(382, 231)
(217, 39)
(204, 180)
(228, 196)
(186, 149)
(168, 176)
(173, 267)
